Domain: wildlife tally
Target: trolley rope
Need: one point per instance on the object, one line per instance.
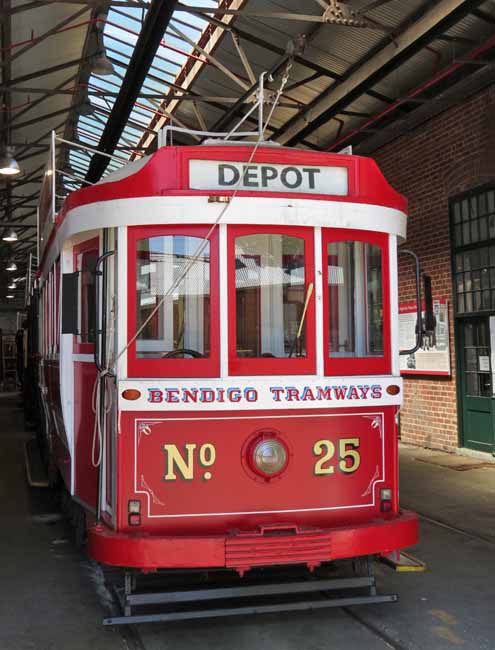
(102, 375)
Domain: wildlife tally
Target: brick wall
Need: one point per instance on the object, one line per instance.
(451, 153)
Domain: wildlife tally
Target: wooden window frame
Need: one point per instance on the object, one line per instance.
(239, 366)
(372, 365)
(180, 367)
(87, 246)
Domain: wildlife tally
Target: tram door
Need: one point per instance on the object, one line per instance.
(476, 383)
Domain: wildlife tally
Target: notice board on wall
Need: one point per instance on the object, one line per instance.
(433, 358)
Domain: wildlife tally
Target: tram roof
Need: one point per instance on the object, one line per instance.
(169, 172)
(392, 66)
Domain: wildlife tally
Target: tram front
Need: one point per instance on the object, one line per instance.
(260, 384)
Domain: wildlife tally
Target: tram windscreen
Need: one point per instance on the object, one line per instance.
(355, 304)
(270, 285)
(180, 328)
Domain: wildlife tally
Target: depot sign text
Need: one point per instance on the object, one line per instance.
(260, 177)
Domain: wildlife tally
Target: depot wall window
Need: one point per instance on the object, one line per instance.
(356, 318)
(271, 272)
(173, 276)
(473, 229)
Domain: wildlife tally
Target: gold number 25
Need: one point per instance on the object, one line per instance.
(348, 451)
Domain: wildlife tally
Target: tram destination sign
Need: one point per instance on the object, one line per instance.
(265, 177)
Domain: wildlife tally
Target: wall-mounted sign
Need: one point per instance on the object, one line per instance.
(433, 358)
(264, 177)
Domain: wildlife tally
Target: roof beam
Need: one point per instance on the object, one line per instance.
(484, 16)
(452, 96)
(46, 95)
(154, 26)
(47, 71)
(271, 47)
(56, 28)
(387, 56)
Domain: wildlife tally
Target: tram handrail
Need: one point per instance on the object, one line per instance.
(98, 331)
(419, 322)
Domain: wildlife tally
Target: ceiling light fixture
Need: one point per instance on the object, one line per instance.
(11, 286)
(11, 236)
(85, 107)
(10, 296)
(12, 267)
(100, 64)
(8, 164)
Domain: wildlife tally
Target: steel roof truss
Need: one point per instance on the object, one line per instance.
(39, 39)
(438, 18)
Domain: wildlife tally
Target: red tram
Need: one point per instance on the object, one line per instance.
(219, 359)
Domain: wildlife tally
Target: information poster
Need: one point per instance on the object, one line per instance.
(433, 357)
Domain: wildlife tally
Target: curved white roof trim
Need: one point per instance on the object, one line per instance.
(127, 170)
(162, 210)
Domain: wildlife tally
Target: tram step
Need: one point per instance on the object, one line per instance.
(262, 598)
(35, 469)
(250, 610)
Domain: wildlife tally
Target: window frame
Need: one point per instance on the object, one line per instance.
(180, 367)
(239, 366)
(372, 365)
(86, 246)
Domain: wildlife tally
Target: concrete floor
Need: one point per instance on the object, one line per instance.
(53, 597)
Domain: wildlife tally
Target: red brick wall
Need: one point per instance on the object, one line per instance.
(451, 153)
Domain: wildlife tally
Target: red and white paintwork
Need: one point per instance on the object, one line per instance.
(223, 520)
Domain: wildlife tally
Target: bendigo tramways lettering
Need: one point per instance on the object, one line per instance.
(181, 464)
(251, 395)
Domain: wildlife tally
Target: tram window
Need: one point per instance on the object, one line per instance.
(270, 295)
(176, 319)
(355, 299)
(86, 265)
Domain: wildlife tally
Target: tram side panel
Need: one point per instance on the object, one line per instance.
(86, 475)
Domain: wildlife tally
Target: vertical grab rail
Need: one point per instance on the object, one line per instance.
(100, 331)
(419, 322)
(100, 362)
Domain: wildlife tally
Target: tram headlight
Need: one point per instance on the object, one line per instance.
(269, 456)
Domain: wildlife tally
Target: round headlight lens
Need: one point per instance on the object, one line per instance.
(270, 457)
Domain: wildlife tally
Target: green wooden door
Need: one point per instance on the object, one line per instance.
(476, 384)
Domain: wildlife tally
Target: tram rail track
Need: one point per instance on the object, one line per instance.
(455, 529)
(134, 641)
(378, 632)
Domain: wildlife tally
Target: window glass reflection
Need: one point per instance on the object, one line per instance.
(270, 296)
(355, 299)
(180, 327)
